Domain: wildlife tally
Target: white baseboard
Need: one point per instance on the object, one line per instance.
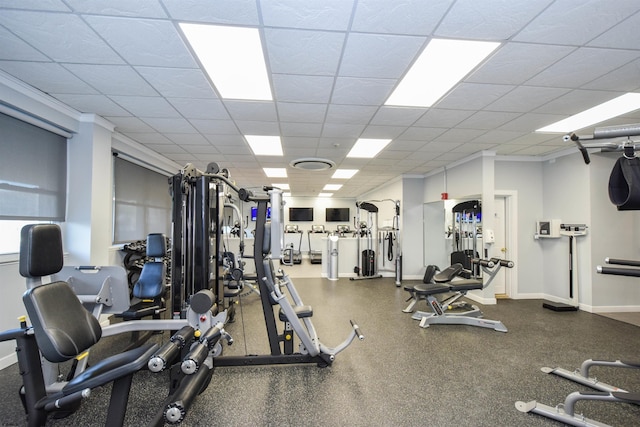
(8, 360)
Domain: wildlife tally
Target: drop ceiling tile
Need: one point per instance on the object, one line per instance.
(200, 108)
(146, 9)
(49, 5)
(572, 22)
(215, 127)
(405, 145)
(301, 129)
(382, 16)
(178, 82)
(416, 133)
(304, 52)
(443, 118)
(497, 137)
(515, 63)
(48, 77)
(379, 56)
(144, 41)
(529, 122)
(582, 66)
(336, 142)
(75, 40)
(240, 12)
(312, 14)
(438, 147)
(341, 130)
(460, 135)
(361, 91)
(575, 101)
(623, 35)
(355, 114)
(252, 110)
(149, 138)
(112, 79)
(97, 104)
(397, 116)
(167, 149)
(129, 124)
(146, 106)
(250, 127)
(299, 142)
(169, 125)
(301, 112)
(185, 139)
(474, 147)
(473, 96)
(17, 49)
(487, 120)
(624, 79)
(306, 89)
(224, 141)
(525, 98)
(496, 20)
(383, 132)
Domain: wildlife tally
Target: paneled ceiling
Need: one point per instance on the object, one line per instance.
(331, 64)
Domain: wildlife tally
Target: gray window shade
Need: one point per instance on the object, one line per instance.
(142, 202)
(33, 172)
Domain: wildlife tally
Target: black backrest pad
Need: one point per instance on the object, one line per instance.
(40, 250)
(448, 273)
(266, 242)
(156, 245)
(62, 326)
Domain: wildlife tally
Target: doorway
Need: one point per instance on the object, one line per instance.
(504, 246)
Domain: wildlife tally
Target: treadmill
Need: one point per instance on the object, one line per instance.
(315, 257)
(290, 254)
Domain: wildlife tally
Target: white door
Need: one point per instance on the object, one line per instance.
(500, 249)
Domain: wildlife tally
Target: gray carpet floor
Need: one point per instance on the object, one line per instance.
(400, 375)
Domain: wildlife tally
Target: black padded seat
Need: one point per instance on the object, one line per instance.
(430, 288)
(448, 273)
(465, 285)
(301, 312)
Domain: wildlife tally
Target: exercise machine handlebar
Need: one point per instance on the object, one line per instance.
(170, 350)
(618, 271)
(629, 262)
(356, 329)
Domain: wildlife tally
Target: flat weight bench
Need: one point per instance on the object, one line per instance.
(442, 312)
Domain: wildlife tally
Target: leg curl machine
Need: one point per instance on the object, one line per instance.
(565, 412)
(446, 282)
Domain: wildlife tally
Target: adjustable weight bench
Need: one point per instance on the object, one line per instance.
(448, 311)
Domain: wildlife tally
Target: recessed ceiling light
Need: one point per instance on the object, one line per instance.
(325, 194)
(332, 187)
(344, 173)
(368, 148)
(275, 172)
(440, 66)
(233, 59)
(265, 145)
(605, 111)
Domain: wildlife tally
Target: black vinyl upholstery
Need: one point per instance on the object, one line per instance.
(40, 250)
(62, 326)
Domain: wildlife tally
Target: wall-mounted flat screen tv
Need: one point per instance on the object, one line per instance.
(337, 214)
(300, 214)
(254, 213)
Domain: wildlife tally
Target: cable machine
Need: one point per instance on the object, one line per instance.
(369, 234)
(466, 221)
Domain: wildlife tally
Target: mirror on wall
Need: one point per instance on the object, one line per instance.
(442, 235)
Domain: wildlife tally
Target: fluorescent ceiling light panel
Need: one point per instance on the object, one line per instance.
(368, 148)
(440, 66)
(233, 59)
(325, 194)
(275, 172)
(332, 187)
(265, 145)
(283, 186)
(344, 173)
(605, 111)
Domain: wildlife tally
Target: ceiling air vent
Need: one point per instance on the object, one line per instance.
(313, 164)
